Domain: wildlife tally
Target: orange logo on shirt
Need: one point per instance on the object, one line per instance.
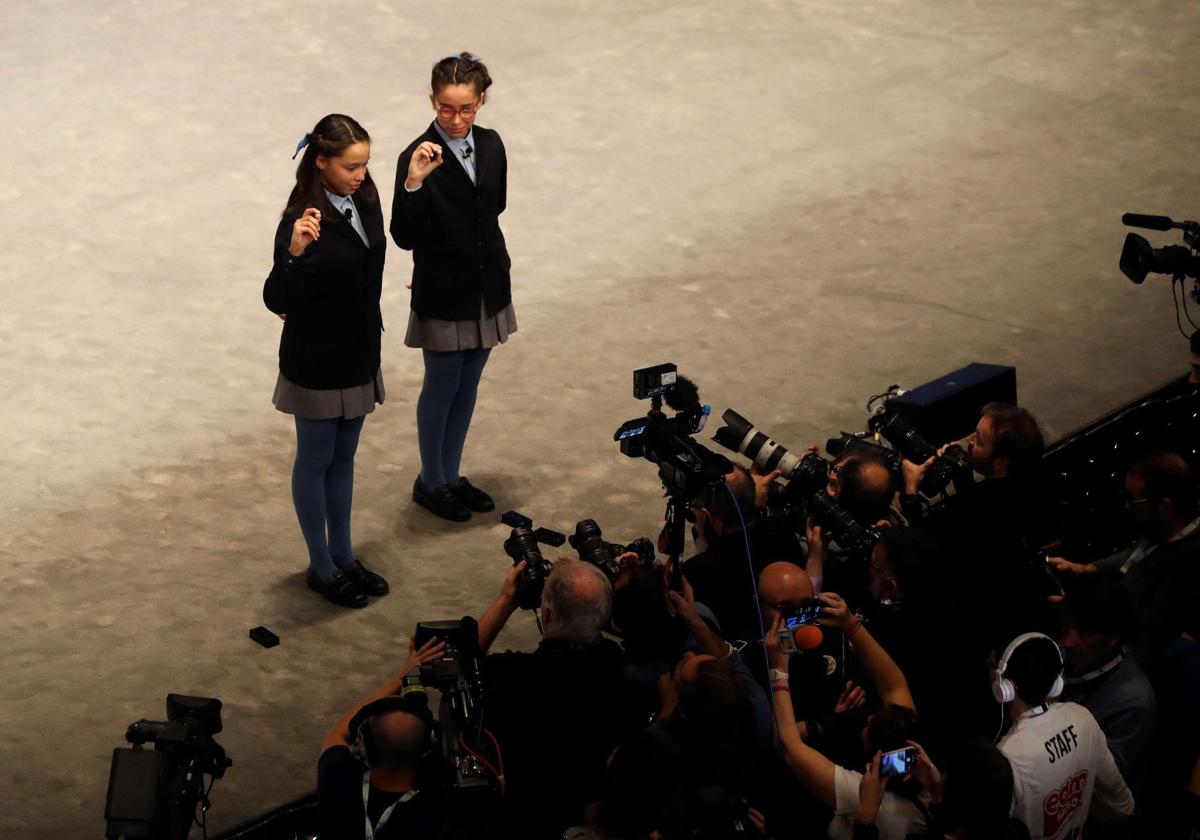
(1060, 805)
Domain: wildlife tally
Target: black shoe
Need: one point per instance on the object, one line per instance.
(472, 496)
(367, 580)
(441, 501)
(339, 589)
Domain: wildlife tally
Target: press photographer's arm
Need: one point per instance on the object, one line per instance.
(497, 614)
(339, 735)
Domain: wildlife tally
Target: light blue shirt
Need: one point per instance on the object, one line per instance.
(342, 203)
(462, 149)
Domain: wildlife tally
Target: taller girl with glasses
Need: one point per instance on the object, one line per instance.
(450, 191)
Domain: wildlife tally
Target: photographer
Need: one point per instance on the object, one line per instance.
(971, 801)
(654, 629)
(371, 775)
(820, 677)
(863, 485)
(901, 812)
(908, 610)
(721, 573)
(559, 711)
(990, 532)
(704, 753)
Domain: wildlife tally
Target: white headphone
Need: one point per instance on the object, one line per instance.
(1003, 689)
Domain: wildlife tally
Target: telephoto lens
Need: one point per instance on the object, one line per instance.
(741, 436)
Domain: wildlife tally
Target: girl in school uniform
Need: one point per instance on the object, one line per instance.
(450, 191)
(325, 284)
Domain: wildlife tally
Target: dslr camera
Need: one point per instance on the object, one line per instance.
(522, 544)
(588, 541)
(807, 479)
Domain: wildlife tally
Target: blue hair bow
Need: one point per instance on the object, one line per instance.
(303, 142)
(473, 59)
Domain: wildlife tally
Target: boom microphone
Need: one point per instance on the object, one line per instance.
(1139, 220)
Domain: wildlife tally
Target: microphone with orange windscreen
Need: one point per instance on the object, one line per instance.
(798, 629)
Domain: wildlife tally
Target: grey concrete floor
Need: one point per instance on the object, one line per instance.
(800, 203)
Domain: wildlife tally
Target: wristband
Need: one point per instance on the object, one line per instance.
(784, 688)
(777, 675)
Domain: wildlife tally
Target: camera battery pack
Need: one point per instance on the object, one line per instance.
(264, 636)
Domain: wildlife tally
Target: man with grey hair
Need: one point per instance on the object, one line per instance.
(558, 711)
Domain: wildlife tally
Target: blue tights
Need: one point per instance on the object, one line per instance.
(444, 411)
(323, 487)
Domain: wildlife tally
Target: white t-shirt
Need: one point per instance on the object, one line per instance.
(1061, 767)
(898, 815)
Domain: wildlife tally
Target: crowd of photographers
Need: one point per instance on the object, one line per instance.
(881, 653)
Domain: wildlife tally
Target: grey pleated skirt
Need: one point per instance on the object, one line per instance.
(328, 403)
(488, 331)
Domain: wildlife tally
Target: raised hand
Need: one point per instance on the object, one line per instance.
(428, 652)
(852, 697)
(426, 158)
(835, 612)
(762, 485)
(926, 773)
(913, 474)
(1062, 564)
(305, 231)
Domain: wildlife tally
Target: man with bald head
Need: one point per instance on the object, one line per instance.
(782, 583)
(372, 772)
(818, 675)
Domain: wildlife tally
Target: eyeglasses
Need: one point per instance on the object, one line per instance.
(466, 111)
(879, 571)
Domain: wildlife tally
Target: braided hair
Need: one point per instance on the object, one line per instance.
(461, 69)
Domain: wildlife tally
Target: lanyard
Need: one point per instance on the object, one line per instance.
(1036, 711)
(370, 832)
(1142, 550)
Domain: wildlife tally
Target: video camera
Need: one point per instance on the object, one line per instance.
(458, 676)
(153, 794)
(805, 493)
(687, 469)
(1139, 259)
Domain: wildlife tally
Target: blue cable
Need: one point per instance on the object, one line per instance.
(757, 608)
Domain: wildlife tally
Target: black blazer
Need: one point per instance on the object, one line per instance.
(330, 295)
(453, 229)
